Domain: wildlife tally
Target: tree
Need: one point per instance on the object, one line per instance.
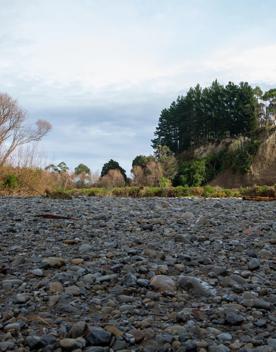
(113, 165)
(209, 114)
(113, 178)
(147, 171)
(191, 173)
(142, 160)
(61, 170)
(82, 169)
(167, 161)
(13, 133)
(83, 175)
(270, 98)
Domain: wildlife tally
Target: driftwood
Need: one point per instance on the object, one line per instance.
(54, 216)
(259, 198)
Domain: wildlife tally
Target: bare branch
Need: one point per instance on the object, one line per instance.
(12, 131)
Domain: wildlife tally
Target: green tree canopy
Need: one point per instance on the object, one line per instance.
(113, 165)
(208, 114)
(82, 169)
(142, 160)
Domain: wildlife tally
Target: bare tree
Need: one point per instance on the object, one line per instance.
(12, 131)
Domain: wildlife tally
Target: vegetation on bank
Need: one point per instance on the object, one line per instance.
(35, 181)
(180, 191)
(211, 114)
(201, 118)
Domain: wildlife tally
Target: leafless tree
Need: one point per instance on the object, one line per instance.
(12, 130)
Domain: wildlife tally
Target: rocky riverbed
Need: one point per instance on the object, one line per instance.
(119, 274)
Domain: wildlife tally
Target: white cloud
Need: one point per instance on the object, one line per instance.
(252, 64)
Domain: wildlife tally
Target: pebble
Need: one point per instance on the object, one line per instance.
(163, 283)
(97, 336)
(53, 262)
(254, 264)
(139, 275)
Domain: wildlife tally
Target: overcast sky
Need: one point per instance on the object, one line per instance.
(101, 70)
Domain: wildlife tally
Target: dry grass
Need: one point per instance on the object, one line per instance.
(26, 181)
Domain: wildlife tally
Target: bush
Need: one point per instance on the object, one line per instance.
(241, 159)
(120, 192)
(197, 191)
(208, 191)
(10, 181)
(191, 173)
(113, 178)
(152, 192)
(134, 192)
(214, 165)
(98, 192)
(165, 182)
(262, 191)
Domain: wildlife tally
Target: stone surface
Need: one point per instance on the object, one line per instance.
(163, 283)
(137, 275)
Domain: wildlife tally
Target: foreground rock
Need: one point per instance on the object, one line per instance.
(137, 275)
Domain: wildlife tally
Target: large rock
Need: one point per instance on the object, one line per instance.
(53, 262)
(97, 336)
(196, 286)
(163, 283)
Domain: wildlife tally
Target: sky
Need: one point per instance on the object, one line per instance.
(102, 70)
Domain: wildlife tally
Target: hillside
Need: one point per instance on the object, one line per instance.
(262, 170)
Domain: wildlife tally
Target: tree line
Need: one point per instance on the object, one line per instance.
(213, 113)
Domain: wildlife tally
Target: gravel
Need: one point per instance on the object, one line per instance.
(130, 274)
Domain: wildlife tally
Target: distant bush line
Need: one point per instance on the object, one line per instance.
(174, 192)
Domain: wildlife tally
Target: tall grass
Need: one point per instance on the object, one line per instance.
(26, 181)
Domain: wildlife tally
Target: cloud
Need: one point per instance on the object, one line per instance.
(101, 72)
(252, 64)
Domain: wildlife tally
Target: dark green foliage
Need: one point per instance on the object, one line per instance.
(165, 182)
(10, 181)
(201, 171)
(113, 165)
(142, 160)
(82, 169)
(241, 159)
(270, 97)
(191, 173)
(208, 114)
(214, 165)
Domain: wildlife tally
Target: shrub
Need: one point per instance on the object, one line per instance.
(134, 191)
(191, 173)
(98, 192)
(214, 165)
(120, 192)
(10, 181)
(241, 159)
(165, 182)
(113, 165)
(208, 191)
(113, 178)
(152, 192)
(148, 174)
(197, 191)
(263, 191)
